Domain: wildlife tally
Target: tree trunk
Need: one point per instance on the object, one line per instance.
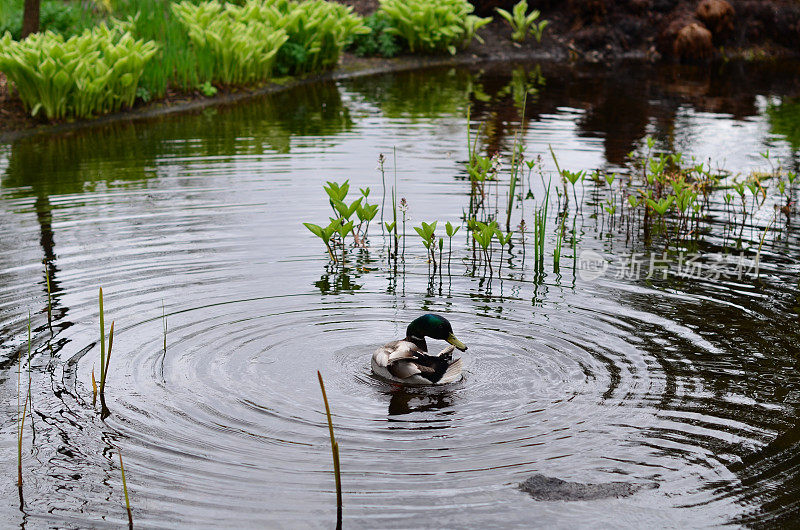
(30, 17)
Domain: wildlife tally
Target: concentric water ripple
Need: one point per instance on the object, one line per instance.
(688, 385)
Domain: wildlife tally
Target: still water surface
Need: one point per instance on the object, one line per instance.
(688, 384)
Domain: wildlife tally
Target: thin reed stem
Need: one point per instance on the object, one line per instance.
(102, 341)
(125, 490)
(335, 451)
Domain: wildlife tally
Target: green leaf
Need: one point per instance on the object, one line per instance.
(315, 229)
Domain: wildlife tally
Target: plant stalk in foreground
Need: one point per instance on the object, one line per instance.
(335, 451)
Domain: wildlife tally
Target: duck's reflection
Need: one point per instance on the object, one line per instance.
(407, 400)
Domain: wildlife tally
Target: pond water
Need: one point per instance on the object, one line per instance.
(688, 383)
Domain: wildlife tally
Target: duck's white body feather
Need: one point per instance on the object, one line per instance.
(400, 362)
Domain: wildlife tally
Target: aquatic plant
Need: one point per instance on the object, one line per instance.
(451, 232)
(573, 177)
(102, 337)
(504, 240)
(105, 354)
(403, 207)
(427, 233)
(125, 489)
(93, 73)
(662, 205)
(557, 248)
(164, 321)
(49, 299)
(522, 23)
(539, 230)
(516, 167)
(325, 234)
(21, 418)
(94, 389)
(335, 451)
(341, 224)
(483, 233)
(424, 26)
(366, 213)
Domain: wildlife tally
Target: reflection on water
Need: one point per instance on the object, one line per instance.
(406, 400)
(685, 383)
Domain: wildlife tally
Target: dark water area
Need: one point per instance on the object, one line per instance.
(687, 384)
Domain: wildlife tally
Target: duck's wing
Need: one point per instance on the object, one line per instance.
(395, 351)
(447, 352)
(403, 368)
(452, 374)
(402, 349)
(405, 359)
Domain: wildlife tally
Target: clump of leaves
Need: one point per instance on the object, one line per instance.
(379, 42)
(425, 26)
(242, 44)
(318, 32)
(340, 224)
(207, 89)
(93, 73)
(522, 23)
(427, 233)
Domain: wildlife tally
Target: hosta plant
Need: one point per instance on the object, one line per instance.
(318, 31)
(425, 26)
(91, 73)
(242, 44)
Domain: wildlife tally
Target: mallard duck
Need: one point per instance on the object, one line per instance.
(407, 361)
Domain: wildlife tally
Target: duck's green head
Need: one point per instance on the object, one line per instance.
(435, 327)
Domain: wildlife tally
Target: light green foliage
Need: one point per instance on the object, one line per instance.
(451, 230)
(207, 89)
(247, 41)
(366, 212)
(426, 26)
(240, 39)
(483, 233)
(426, 232)
(318, 32)
(662, 205)
(523, 23)
(341, 224)
(95, 72)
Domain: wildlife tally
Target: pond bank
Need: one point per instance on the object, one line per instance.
(16, 123)
(573, 35)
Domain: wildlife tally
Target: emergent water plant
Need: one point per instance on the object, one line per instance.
(335, 451)
(427, 233)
